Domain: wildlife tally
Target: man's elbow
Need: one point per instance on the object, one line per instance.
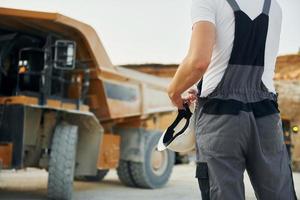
(200, 64)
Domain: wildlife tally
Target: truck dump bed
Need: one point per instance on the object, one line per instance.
(114, 92)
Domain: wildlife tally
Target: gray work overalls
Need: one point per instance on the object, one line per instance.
(238, 125)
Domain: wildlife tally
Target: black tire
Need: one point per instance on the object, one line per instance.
(143, 175)
(62, 162)
(182, 159)
(99, 177)
(124, 173)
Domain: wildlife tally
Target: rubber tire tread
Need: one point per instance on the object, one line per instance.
(99, 177)
(62, 162)
(137, 174)
(124, 173)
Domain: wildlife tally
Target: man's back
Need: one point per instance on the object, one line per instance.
(237, 119)
(221, 14)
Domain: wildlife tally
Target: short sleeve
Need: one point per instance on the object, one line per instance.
(203, 10)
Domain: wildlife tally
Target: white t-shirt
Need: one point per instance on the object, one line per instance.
(221, 15)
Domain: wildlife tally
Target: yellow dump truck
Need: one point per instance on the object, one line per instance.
(66, 108)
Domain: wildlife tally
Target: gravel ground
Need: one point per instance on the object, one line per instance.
(31, 185)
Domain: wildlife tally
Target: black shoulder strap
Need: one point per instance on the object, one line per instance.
(234, 5)
(199, 87)
(267, 6)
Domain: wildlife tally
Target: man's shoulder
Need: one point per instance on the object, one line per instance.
(276, 9)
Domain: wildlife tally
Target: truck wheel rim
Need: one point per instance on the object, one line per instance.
(159, 161)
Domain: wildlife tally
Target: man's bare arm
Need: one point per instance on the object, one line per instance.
(195, 63)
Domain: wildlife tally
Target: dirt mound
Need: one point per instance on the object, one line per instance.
(288, 67)
(287, 82)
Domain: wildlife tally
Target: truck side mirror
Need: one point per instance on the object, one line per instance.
(295, 129)
(64, 55)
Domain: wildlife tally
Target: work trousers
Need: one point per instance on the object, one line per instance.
(227, 145)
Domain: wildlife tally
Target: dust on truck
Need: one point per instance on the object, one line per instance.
(66, 108)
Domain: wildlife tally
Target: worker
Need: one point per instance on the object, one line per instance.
(231, 58)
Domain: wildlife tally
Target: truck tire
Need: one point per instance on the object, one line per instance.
(181, 159)
(124, 173)
(62, 162)
(99, 177)
(154, 172)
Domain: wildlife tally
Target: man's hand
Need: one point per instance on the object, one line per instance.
(175, 98)
(178, 101)
(192, 96)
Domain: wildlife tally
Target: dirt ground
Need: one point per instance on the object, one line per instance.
(31, 185)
